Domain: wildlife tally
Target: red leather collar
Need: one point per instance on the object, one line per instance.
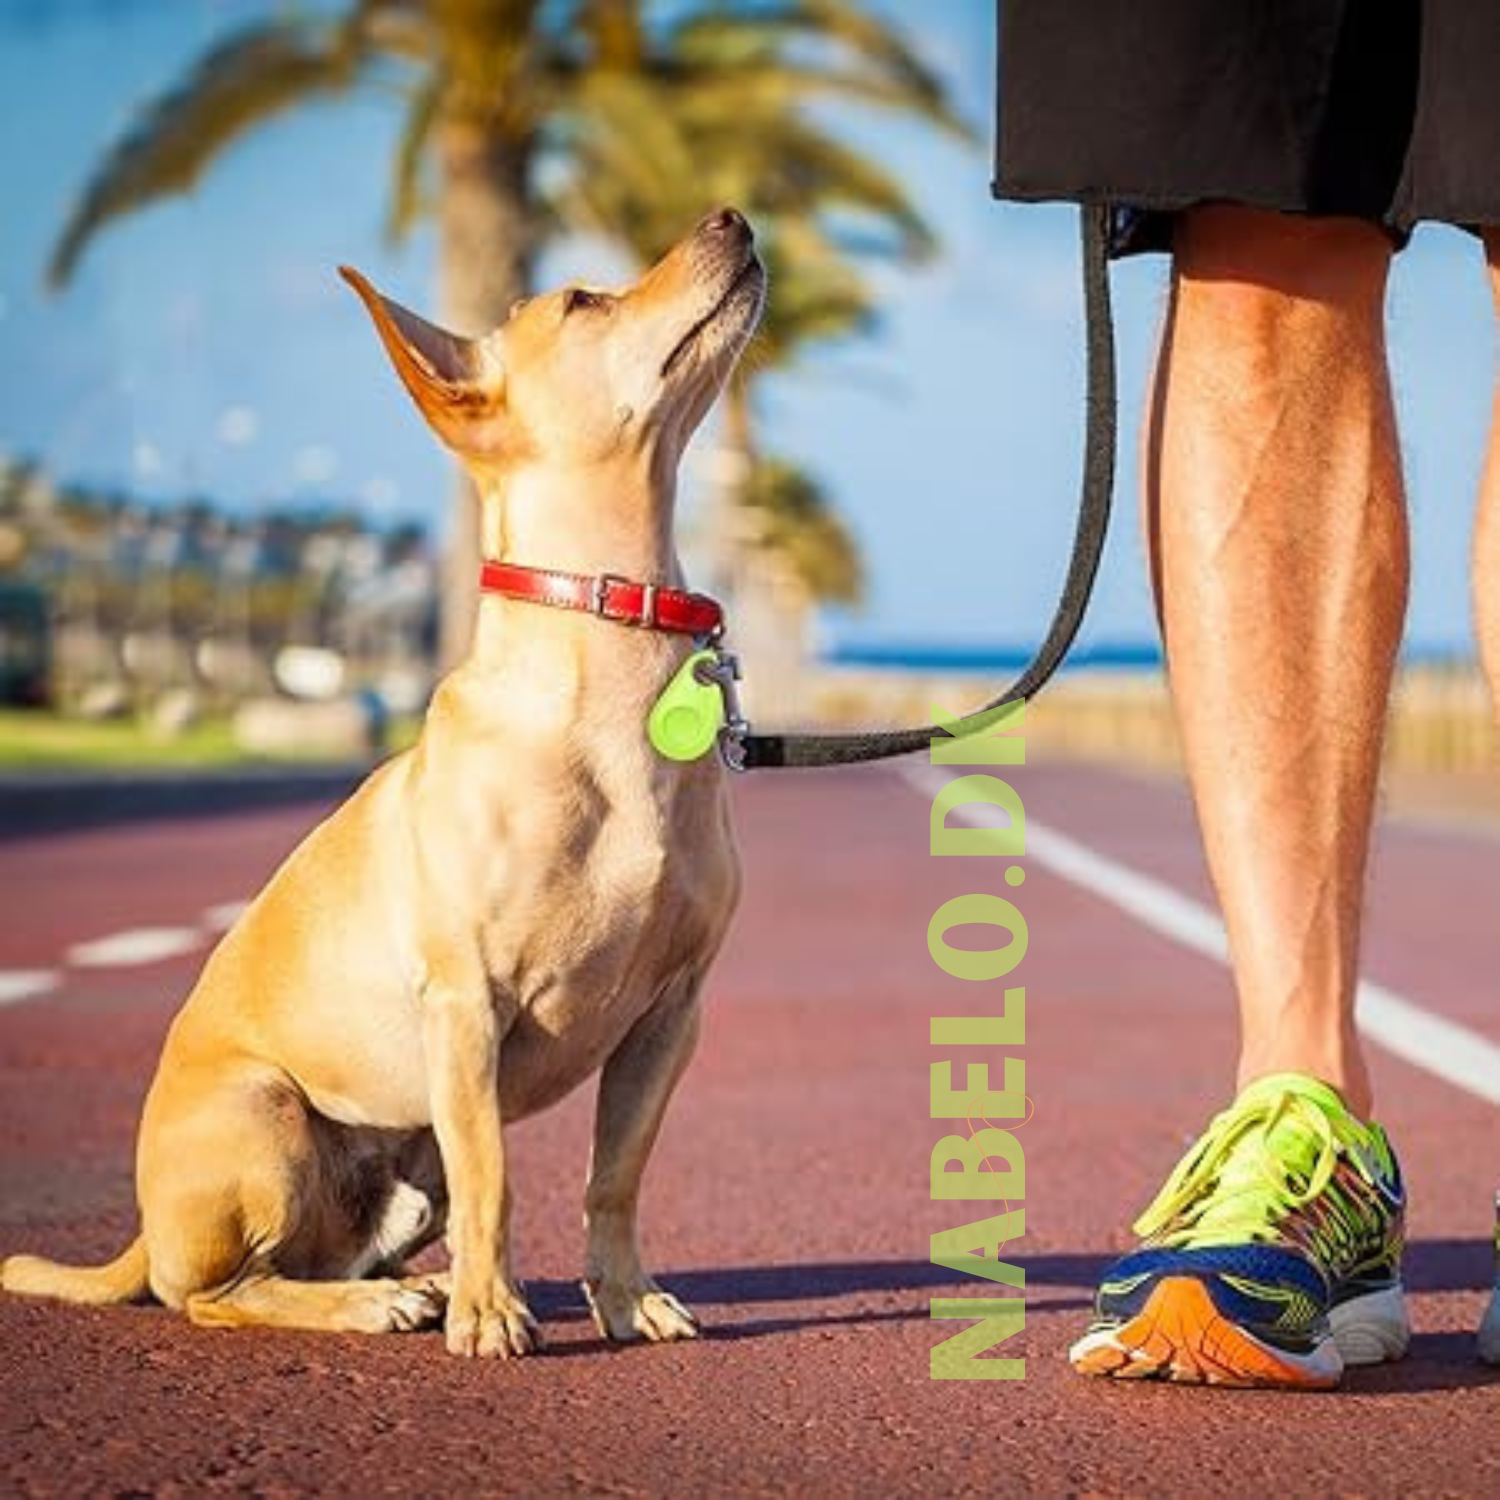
(607, 595)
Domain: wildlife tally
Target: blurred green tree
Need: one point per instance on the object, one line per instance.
(793, 521)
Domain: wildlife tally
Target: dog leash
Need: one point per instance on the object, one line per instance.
(744, 751)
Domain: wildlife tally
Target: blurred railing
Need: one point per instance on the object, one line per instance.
(1440, 717)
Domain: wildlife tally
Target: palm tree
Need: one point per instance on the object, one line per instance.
(513, 106)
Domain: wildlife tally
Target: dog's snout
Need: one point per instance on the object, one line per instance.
(726, 221)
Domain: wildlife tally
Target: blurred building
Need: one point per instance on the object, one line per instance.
(107, 602)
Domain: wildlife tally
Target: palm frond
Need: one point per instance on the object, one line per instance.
(626, 168)
(488, 52)
(616, 33)
(819, 298)
(778, 82)
(848, 27)
(798, 525)
(806, 169)
(398, 28)
(411, 149)
(254, 75)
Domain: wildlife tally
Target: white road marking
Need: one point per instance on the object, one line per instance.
(1429, 1041)
(137, 945)
(222, 918)
(26, 984)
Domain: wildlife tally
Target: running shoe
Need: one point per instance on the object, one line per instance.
(1272, 1257)
(1489, 1329)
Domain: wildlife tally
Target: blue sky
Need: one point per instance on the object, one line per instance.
(207, 345)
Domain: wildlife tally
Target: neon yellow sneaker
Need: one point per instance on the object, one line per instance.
(1271, 1257)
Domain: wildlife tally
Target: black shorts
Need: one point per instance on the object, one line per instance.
(1386, 110)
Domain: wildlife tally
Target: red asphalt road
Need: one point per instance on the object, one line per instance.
(788, 1201)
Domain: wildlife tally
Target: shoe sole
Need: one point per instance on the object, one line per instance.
(1371, 1329)
(1181, 1336)
(1489, 1332)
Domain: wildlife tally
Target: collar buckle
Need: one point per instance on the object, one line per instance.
(600, 589)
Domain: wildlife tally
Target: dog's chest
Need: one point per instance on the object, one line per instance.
(635, 896)
(592, 927)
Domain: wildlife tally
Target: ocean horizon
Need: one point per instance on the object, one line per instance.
(996, 657)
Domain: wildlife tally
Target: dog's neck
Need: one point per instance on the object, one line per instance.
(610, 519)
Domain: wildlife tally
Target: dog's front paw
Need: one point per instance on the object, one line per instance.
(392, 1306)
(643, 1311)
(500, 1325)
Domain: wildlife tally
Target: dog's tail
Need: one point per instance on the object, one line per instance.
(125, 1279)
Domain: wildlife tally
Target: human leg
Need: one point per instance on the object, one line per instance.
(1278, 516)
(1279, 554)
(1487, 624)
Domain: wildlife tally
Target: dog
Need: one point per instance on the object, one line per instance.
(530, 895)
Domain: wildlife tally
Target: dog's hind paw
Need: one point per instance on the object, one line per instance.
(629, 1314)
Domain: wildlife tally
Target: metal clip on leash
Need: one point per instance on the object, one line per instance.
(723, 672)
(744, 751)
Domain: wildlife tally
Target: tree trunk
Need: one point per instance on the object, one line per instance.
(487, 247)
(730, 520)
(771, 618)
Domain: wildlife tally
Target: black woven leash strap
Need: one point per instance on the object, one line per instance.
(764, 751)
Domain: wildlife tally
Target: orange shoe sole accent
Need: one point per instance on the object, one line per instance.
(1180, 1335)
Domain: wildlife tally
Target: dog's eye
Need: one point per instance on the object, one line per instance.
(576, 298)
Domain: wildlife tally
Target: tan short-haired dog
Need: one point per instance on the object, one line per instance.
(528, 896)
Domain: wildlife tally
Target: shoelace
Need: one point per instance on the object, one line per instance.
(1234, 1184)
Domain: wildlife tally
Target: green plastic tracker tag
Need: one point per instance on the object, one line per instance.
(684, 722)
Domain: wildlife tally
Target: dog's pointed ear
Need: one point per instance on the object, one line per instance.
(458, 383)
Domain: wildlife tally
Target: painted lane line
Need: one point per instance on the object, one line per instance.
(138, 945)
(1444, 1048)
(26, 984)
